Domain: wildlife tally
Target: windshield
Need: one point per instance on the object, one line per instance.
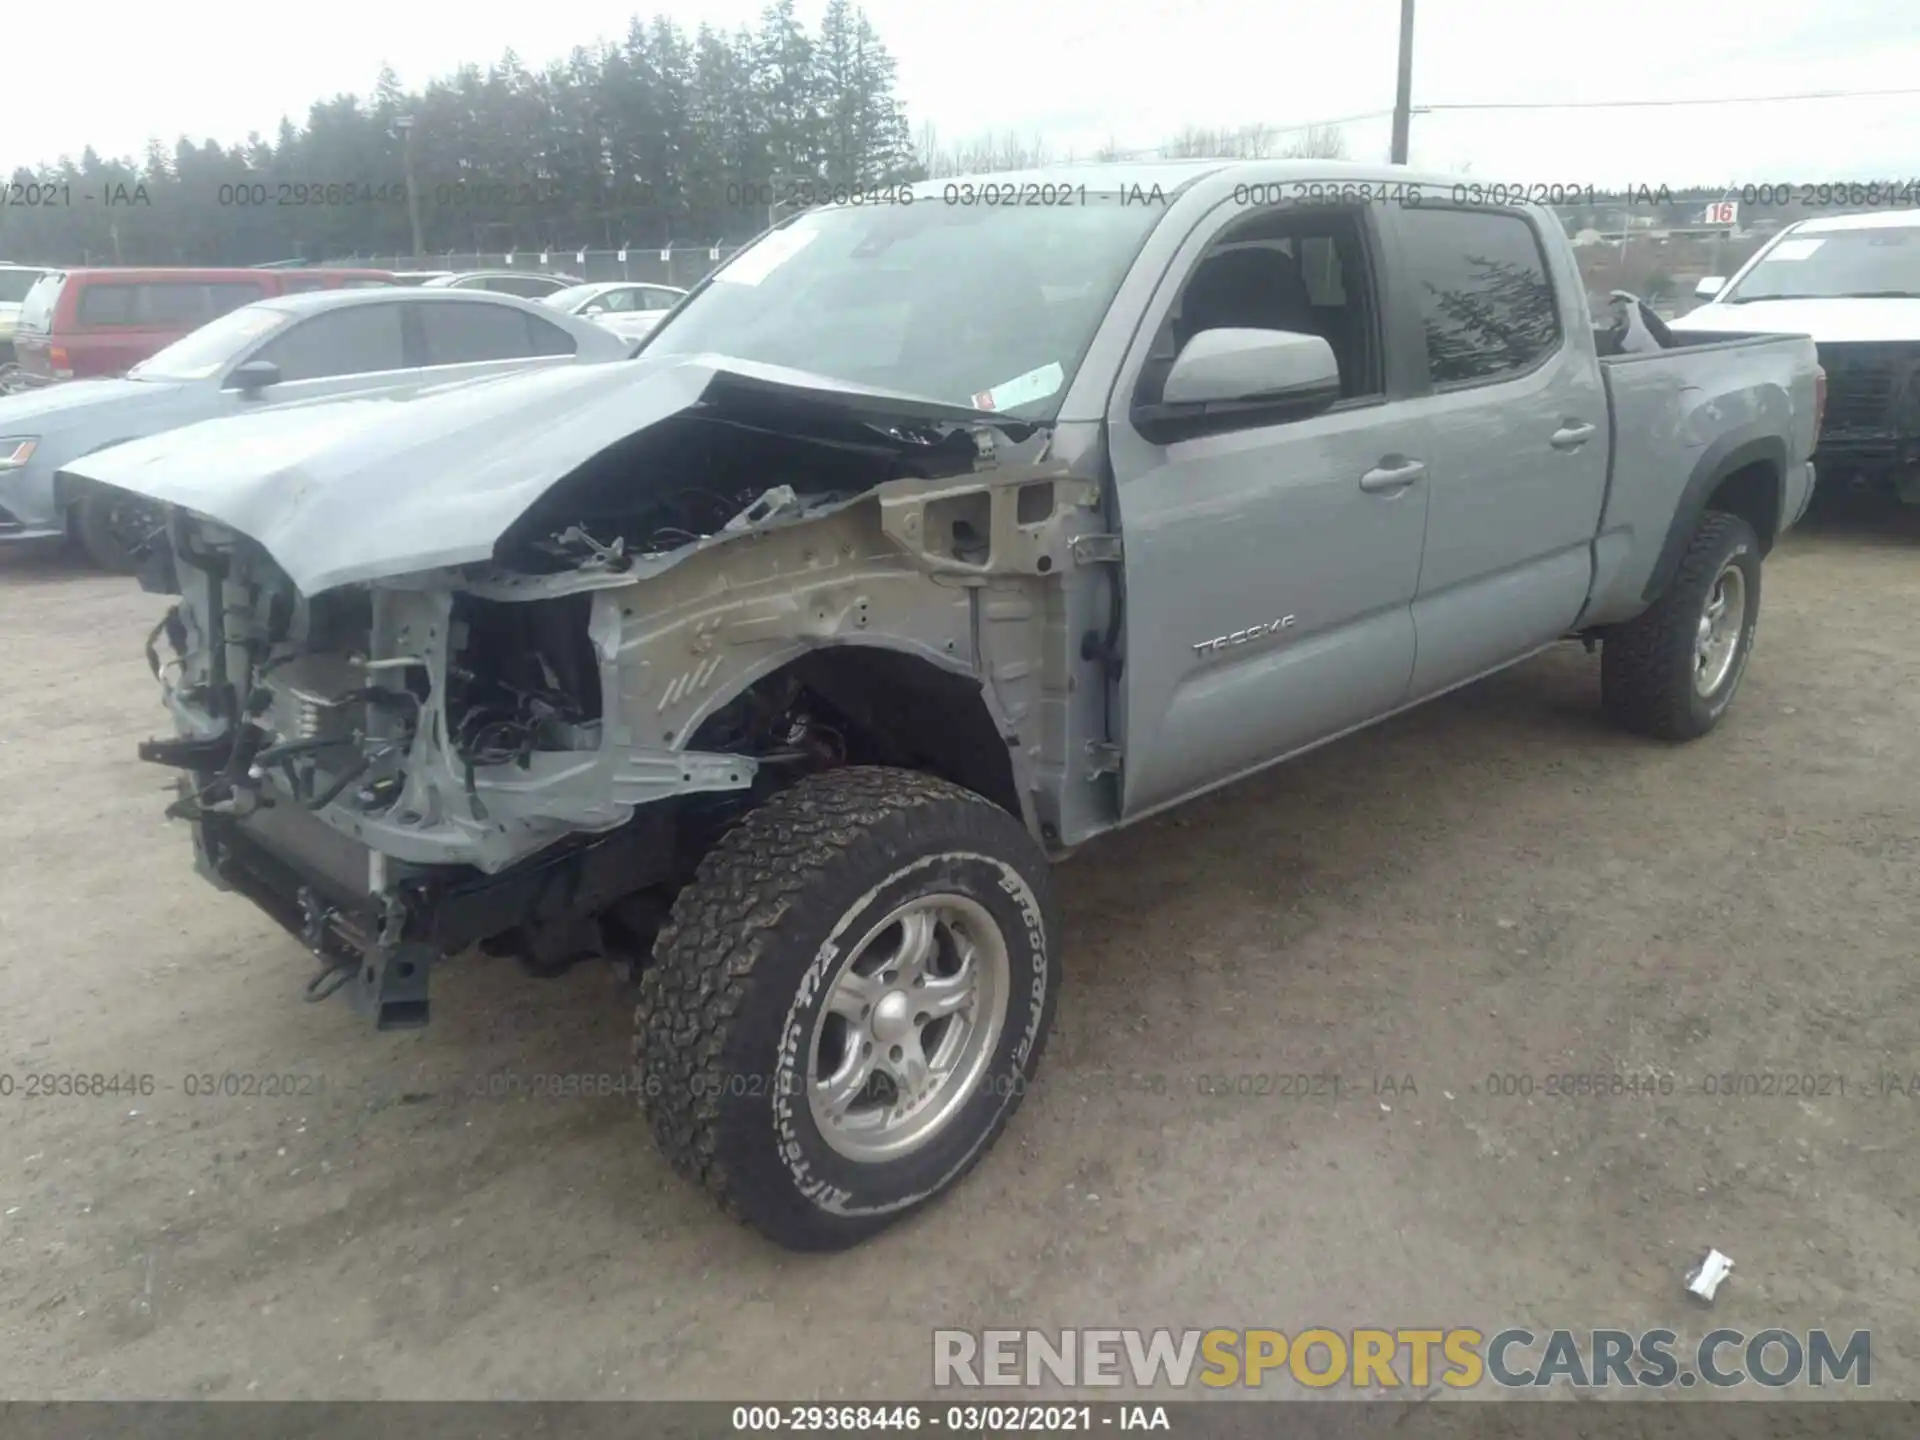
(990, 306)
(207, 351)
(1833, 264)
(572, 297)
(14, 285)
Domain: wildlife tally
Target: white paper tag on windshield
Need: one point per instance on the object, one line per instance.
(1034, 385)
(769, 255)
(1794, 249)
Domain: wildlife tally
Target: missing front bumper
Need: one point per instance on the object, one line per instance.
(354, 907)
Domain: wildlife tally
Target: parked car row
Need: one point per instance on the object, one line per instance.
(345, 340)
(88, 322)
(66, 324)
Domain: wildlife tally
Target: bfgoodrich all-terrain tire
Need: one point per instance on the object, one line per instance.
(848, 1002)
(1671, 672)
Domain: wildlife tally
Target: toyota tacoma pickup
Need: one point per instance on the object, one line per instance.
(924, 543)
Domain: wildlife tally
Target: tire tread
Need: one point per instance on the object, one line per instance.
(706, 961)
(1645, 664)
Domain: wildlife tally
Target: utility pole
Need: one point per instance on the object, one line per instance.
(1403, 97)
(404, 124)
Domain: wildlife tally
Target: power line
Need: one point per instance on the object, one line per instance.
(1662, 104)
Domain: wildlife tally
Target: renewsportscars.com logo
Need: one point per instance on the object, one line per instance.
(1368, 1359)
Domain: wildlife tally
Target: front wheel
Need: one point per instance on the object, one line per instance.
(848, 1002)
(114, 527)
(1671, 671)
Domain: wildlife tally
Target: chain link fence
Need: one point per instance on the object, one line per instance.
(683, 266)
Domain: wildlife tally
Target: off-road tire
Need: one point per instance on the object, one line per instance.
(1646, 665)
(742, 968)
(92, 526)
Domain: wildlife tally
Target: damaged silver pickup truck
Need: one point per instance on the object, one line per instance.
(923, 543)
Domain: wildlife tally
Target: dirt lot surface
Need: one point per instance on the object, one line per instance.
(1473, 898)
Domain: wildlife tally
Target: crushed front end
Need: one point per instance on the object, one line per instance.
(395, 772)
(422, 706)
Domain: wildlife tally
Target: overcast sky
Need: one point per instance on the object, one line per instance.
(1079, 72)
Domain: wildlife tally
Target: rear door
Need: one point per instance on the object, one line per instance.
(350, 351)
(458, 338)
(1517, 414)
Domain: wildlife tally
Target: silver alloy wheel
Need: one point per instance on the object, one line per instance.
(910, 1024)
(1717, 641)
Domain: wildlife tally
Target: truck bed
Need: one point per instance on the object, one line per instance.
(1680, 419)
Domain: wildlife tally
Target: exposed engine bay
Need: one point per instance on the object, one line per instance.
(528, 751)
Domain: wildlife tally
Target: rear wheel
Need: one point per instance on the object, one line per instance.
(113, 527)
(1672, 671)
(848, 1002)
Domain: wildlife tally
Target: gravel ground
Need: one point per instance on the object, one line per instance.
(1486, 893)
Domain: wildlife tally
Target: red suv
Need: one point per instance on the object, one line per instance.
(77, 323)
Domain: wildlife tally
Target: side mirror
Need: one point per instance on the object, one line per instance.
(254, 376)
(1258, 376)
(1710, 286)
(594, 310)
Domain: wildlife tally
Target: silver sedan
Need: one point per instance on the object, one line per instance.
(625, 307)
(274, 352)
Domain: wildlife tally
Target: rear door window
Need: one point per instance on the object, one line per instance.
(359, 340)
(176, 302)
(466, 334)
(1484, 292)
(545, 339)
(106, 304)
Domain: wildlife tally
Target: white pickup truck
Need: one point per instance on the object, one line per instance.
(1852, 282)
(922, 543)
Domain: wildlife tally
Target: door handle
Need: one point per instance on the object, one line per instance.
(1392, 479)
(1572, 435)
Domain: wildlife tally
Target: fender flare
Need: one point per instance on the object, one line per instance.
(1725, 456)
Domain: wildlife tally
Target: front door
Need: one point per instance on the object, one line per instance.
(1270, 567)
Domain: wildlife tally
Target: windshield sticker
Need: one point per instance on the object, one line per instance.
(766, 257)
(1022, 389)
(1794, 249)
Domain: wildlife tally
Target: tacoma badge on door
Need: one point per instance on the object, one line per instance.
(1242, 637)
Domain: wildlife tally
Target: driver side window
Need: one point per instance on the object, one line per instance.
(1302, 269)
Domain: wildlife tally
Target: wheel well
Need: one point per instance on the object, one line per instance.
(898, 710)
(1753, 493)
